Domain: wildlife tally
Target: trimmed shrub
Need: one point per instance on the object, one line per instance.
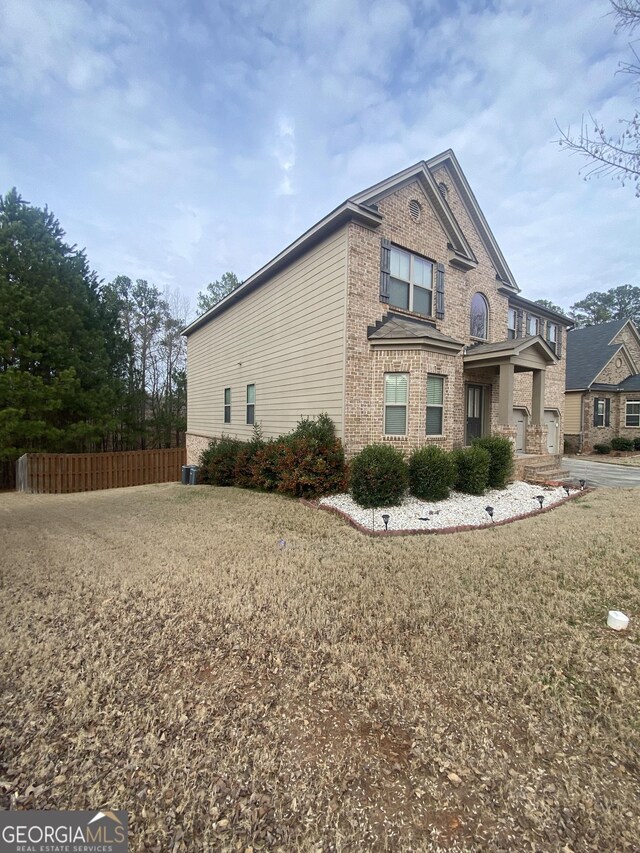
(218, 461)
(636, 443)
(267, 465)
(379, 476)
(472, 469)
(500, 459)
(432, 473)
(602, 448)
(245, 460)
(622, 443)
(311, 460)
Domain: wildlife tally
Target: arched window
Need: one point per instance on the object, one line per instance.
(479, 316)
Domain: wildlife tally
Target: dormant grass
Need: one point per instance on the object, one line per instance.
(164, 652)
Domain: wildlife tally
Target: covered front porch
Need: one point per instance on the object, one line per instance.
(501, 361)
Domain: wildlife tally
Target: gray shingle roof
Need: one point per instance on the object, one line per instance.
(395, 327)
(588, 351)
(631, 383)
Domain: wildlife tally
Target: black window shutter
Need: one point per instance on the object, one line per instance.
(385, 269)
(559, 341)
(607, 411)
(596, 400)
(519, 319)
(440, 292)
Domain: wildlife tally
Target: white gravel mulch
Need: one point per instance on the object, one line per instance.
(517, 500)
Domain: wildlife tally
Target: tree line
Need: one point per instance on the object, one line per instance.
(84, 365)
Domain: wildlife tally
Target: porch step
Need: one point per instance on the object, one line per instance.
(540, 477)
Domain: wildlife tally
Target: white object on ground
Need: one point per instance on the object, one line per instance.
(617, 620)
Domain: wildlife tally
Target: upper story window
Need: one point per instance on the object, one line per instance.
(512, 324)
(410, 282)
(479, 317)
(533, 325)
(552, 336)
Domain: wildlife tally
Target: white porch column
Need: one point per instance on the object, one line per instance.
(537, 403)
(505, 395)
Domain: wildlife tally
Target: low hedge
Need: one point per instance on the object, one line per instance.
(636, 443)
(603, 449)
(500, 459)
(218, 461)
(432, 473)
(379, 476)
(623, 444)
(472, 469)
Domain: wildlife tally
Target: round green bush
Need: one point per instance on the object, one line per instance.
(620, 443)
(472, 470)
(636, 443)
(218, 461)
(378, 476)
(500, 461)
(432, 473)
(603, 449)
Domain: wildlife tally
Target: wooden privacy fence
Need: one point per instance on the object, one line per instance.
(57, 473)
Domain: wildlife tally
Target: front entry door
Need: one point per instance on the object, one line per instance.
(474, 412)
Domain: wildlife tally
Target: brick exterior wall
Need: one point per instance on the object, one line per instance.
(365, 365)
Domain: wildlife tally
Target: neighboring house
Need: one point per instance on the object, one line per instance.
(602, 399)
(398, 316)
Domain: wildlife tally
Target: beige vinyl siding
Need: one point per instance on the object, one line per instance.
(286, 338)
(573, 413)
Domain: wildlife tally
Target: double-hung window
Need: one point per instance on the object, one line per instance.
(601, 412)
(552, 336)
(251, 403)
(512, 323)
(227, 405)
(435, 404)
(396, 395)
(632, 414)
(410, 282)
(533, 325)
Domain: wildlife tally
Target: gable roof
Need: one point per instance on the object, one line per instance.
(588, 351)
(449, 160)
(361, 207)
(512, 346)
(631, 383)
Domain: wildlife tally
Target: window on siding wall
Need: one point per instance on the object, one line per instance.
(410, 282)
(396, 393)
(512, 323)
(479, 316)
(533, 325)
(227, 405)
(251, 403)
(632, 414)
(435, 404)
(601, 412)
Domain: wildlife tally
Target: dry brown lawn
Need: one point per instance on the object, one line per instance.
(163, 654)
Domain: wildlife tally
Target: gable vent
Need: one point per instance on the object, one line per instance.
(415, 210)
(444, 189)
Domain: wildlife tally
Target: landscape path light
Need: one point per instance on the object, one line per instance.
(540, 499)
(489, 511)
(567, 489)
(385, 518)
(582, 484)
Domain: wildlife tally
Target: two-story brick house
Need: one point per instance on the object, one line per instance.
(396, 314)
(602, 398)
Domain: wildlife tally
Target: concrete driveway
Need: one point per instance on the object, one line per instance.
(602, 473)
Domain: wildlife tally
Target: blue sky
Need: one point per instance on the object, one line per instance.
(178, 139)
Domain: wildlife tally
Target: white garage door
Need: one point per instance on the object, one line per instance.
(552, 422)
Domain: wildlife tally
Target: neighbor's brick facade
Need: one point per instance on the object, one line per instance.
(366, 366)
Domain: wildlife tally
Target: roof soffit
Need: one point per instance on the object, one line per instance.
(463, 253)
(449, 161)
